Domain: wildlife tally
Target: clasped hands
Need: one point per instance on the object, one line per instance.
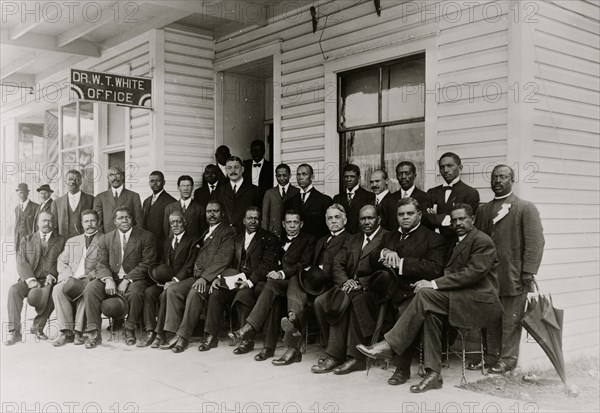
(111, 287)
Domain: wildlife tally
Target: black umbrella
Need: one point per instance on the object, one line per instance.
(544, 324)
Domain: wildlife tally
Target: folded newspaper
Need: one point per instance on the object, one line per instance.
(230, 281)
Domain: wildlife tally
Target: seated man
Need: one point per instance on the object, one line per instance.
(176, 254)
(326, 249)
(255, 256)
(350, 273)
(78, 260)
(187, 299)
(467, 294)
(36, 266)
(124, 256)
(294, 254)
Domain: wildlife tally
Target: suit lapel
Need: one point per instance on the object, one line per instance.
(239, 246)
(456, 251)
(412, 242)
(129, 247)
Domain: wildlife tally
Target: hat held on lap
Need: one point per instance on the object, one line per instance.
(115, 307)
(313, 280)
(38, 297)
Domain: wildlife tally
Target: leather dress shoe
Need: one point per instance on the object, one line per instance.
(129, 337)
(399, 377)
(170, 344)
(264, 354)
(209, 342)
(78, 339)
(381, 350)
(328, 364)
(159, 340)
(246, 332)
(39, 334)
(13, 338)
(477, 366)
(245, 347)
(64, 338)
(291, 325)
(500, 368)
(432, 380)
(94, 339)
(350, 365)
(180, 346)
(290, 356)
(146, 341)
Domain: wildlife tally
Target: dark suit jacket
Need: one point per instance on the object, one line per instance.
(312, 211)
(33, 262)
(195, 218)
(265, 179)
(519, 240)
(461, 193)
(202, 195)
(361, 198)
(471, 282)
(261, 255)
(388, 211)
(221, 177)
(424, 254)
(213, 255)
(105, 204)
(330, 250)
(272, 208)
(153, 219)
(183, 260)
(139, 254)
(298, 256)
(352, 262)
(60, 209)
(47, 207)
(24, 222)
(235, 204)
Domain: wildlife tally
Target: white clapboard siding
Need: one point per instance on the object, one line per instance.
(189, 106)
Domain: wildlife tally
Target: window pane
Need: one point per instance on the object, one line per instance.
(403, 91)
(359, 98)
(86, 159)
(116, 124)
(70, 159)
(86, 123)
(69, 125)
(405, 143)
(363, 148)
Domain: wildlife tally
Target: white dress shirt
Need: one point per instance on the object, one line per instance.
(407, 193)
(121, 274)
(211, 229)
(256, 170)
(306, 191)
(117, 190)
(379, 197)
(74, 199)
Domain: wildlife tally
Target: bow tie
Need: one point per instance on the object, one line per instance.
(257, 165)
(447, 187)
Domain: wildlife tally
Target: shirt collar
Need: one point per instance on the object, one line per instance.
(75, 195)
(411, 231)
(48, 234)
(409, 191)
(382, 195)
(118, 190)
(372, 235)
(503, 196)
(157, 195)
(308, 189)
(286, 187)
(261, 162)
(335, 234)
(451, 184)
(24, 203)
(178, 237)
(91, 235)
(238, 183)
(186, 201)
(461, 237)
(353, 190)
(291, 238)
(127, 234)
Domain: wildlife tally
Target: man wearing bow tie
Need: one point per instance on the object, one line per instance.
(258, 170)
(274, 199)
(295, 253)
(516, 228)
(210, 183)
(154, 210)
(187, 299)
(441, 198)
(354, 197)
(194, 212)
(36, 266)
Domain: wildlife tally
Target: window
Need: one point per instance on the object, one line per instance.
(381, 118)
(77, 143)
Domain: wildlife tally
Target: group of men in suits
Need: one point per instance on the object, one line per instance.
(425, 258)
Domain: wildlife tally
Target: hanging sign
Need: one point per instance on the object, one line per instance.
(122, 90)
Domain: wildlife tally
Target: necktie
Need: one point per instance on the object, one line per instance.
(116, 197)
(176, 244)
(256, 165)
(124, 243)
(153, 199)
(235, 188)
(88, 241)
(376, 201)
(183, 208)
(404, 194)
(367, 240)
(282, 192)
(403, 236)
(212, 188)
(23, 206)
(350, 194)
(448, 190)
(44, 242)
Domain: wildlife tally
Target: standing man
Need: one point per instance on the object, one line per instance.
(385, 202)
(255, 256)
(221, 155)
(36, 266)
(46, 206)
(272, 207)
(354, 197)
(350, 274)
(154, 210)
(77, 261)
(117, 196)
(187, 299)
(237, 195)
(194, 212)
(310, 202)
(68, 208)
(467, 294)
(124, 256)
(516, 229)
(210, 183)
(24, 213)
(406, 173)
(441, 198)
(258, 170)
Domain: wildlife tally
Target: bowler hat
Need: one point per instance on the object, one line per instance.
(115, 307)
(22, 187)
(74, 288)
(161, 273)
(313, 281)
(38, 297)
(335, 305)
(45, 187)
(383, 283)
